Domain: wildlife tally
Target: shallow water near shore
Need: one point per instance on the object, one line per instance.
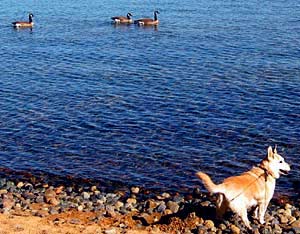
(209, 89)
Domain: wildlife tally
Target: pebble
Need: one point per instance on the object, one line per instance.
(8, 201)
(50, 195)
(283, 219)
(209, 224)
(234, 229)
(94, 188)
(20, 184)
(86, 195)
(277, 229)
(296, 224)
(135, 190)
(131, 201)
(173, 206)
(119, 205)
(222, 226)
(161, 208)
(80, 208)
(3, 191)
(151, 204)
(111, 231)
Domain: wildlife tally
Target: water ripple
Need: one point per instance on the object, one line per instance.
(208, 89)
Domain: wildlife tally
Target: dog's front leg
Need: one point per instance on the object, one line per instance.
(262, 208)
(243, 214)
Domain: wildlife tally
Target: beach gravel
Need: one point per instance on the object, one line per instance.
(115, 211)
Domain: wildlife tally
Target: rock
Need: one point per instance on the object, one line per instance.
(20, 185)
(131, 201)
(18, 206)
(266, 230)
(178, 199)
(3, 191)
(209, 224)
(292, 219)
(69, 189)
(110, 211)
(75, 221)
(59, 189)
(42, 213)
(119, 205)
(297, 214)
(85, 195)
(2, 182)
(80, 208)
(296, 230)
(135, 190)
(296, 224)
(53, 211)
(161, 208)
(50, 195)
(150, 204)
(94, 188)
(288, 206)
(150, 219)
(166, 195)
(201, 230)
(28, 195)
(222, 226)
(173, 206)
(277, 229)
(283, 219)
(281, 211)
(39, 199)
(111, 231)
(167, 212)
(28, 186)
(163, 196)
(8, 201)
(234, 229)
(205, 203)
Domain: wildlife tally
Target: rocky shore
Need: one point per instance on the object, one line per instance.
(82, 204)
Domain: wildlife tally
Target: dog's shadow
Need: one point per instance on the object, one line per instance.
(206, 211)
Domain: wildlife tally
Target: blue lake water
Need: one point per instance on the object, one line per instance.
(209, 89)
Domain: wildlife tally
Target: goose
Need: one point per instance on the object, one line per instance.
(148, 21)
(122, 19)
(30, 23)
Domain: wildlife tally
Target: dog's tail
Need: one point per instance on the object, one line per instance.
(208, 183)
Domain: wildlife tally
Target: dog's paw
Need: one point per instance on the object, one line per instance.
(261, 221)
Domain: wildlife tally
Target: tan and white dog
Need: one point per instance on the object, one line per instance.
(254, 188)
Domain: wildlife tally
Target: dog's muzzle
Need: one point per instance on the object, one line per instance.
(283, 172)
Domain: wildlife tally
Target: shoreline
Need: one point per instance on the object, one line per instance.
(79, 206)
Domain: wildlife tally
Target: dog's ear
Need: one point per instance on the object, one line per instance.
(270, 153)
(275, 149)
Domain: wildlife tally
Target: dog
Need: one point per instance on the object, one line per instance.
(252, 189)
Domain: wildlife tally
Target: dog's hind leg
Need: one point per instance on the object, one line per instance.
(255, 213)
(222, 205)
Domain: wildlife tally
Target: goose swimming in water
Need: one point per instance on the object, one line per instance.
(122, 19)
(148, 21)
(19, 24)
